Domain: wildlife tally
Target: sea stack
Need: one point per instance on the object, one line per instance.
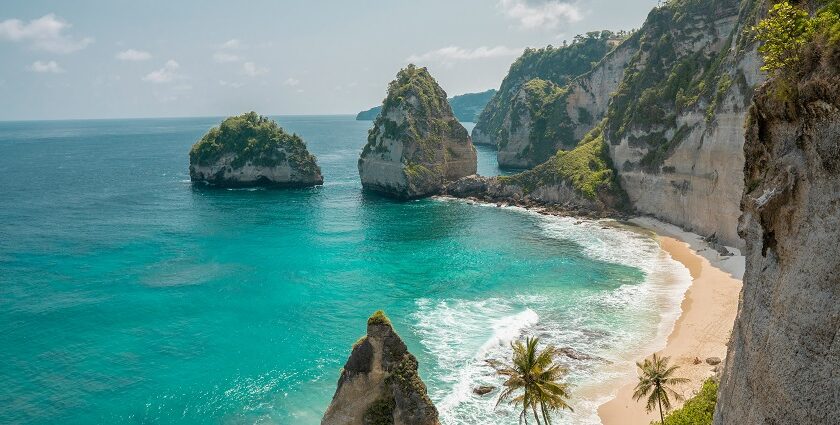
(251, 150)
(416, 144)
(379, 383)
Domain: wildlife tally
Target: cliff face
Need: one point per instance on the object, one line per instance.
(250, 150)
(513, 120)
(379, 384)
(416, 144)
(675, 125)
(545, 117)
(581, 181)
(783, 365)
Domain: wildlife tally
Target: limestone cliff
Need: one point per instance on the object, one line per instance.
(251, 150)
(783, 365)
(675, 124)
(545, 117)
(580, 181)
(379, 384)
(507, 120)
(416, 144)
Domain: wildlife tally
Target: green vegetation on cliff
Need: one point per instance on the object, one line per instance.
(428, 120)
(587, 168)
(551, 127)
(466, 107)
(661, 80)
(558, 65)
(253, 139)
(791, 36)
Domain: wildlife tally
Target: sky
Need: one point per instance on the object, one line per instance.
(134, 59)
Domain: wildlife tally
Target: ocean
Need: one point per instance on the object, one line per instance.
(129, 296)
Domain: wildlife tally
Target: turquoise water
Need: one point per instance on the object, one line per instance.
(128, 296)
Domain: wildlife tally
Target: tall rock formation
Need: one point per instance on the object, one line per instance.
(675, 124)
(252, 150)
(379, 384)
(783, 365)
(416, 144)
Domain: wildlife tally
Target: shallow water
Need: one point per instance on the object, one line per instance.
(126, 295)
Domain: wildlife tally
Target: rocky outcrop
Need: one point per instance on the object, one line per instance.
(251, 150)
(466, 107)
(512, 117)
(676, 123)
(416, 144)
(783, 364)
(580, 181)
(545, 117)
(379, 384)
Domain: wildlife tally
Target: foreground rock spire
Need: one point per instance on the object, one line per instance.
(416, 145)
(379, 383)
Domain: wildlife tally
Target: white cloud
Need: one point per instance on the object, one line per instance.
(252, 70)
(45, 33)
(167, 74)
(291, 82)
(133, 55)
(233, 84)
(46, 67)
(454, 53)
(233, 43)
(545, 14)
(223, 57)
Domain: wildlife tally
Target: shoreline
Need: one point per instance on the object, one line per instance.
(703, 327)
(705, 317)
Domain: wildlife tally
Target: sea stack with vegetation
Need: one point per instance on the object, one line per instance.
(379, 383)
(784, 356)
(416, 145)
(252, 150)
(466, 107)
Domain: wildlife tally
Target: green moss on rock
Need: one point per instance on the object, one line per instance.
(587, 168)
(379, 318)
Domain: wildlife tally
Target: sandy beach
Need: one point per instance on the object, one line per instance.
(704, 326)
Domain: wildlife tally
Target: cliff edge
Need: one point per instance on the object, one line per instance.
(783, 365)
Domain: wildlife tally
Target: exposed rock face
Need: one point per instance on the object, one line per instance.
(379, 383)
(528, 126)
(416, 144)
(580, 181)
(545, 117)
(251, 150)
(676, 124)
(783, 365)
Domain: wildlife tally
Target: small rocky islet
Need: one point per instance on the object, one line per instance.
(251, 150)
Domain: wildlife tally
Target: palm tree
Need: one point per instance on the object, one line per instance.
(655, 382)
(536, 374)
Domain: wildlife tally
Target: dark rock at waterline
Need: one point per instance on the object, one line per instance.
(483, 389)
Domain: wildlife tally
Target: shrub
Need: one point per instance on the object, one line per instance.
(697, 410)
(783, 33)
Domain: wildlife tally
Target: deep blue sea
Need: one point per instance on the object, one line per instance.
(129, 296)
